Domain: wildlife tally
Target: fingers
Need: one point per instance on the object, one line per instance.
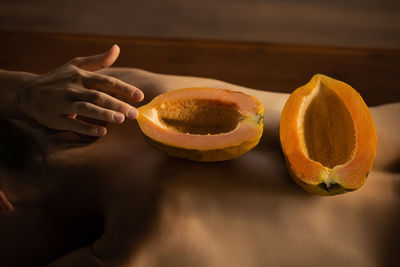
(82, 127)
(88, 94)
(112, 85)
(90, 110)
(97, 62)
(108, 102)
(96, 105)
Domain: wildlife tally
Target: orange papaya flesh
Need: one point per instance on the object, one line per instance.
(202, 124)
(327, 136)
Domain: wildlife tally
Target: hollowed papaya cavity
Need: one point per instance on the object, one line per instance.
(200, 116)
(203, 124)
(327, 136)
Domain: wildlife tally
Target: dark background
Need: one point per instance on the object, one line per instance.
(354, 23)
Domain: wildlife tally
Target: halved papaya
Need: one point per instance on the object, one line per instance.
(202, 124)
(327, 136)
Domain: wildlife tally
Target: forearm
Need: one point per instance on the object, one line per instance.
(11, 85)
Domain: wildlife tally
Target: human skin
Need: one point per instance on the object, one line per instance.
(164, 211)
(56, 98)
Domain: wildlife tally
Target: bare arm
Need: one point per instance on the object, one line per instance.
(11, 85)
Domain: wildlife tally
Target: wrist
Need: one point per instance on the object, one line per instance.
(13, 88)
(22, 93)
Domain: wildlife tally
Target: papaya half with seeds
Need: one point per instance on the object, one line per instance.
(327, 136)
(202, 124)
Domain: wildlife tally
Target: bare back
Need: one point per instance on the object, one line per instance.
(164, 211)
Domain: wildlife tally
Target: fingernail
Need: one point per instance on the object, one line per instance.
(101, 131)
(132, 113)
(138, 96)
(118, 117)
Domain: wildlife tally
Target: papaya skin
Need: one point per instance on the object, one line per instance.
(318, 189)
(205, 155)
(213, 147)
(330, 162)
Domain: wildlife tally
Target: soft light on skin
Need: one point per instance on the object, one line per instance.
(5, 204)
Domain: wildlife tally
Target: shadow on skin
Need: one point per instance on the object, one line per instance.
(257, 188)
(82, 220)
(256, 171)
(391, 239)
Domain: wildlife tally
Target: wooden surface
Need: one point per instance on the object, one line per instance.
(350, 23)
(375, 73)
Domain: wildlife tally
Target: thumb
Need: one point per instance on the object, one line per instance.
(97, 62)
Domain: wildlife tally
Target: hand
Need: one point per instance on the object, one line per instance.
(56, 98)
